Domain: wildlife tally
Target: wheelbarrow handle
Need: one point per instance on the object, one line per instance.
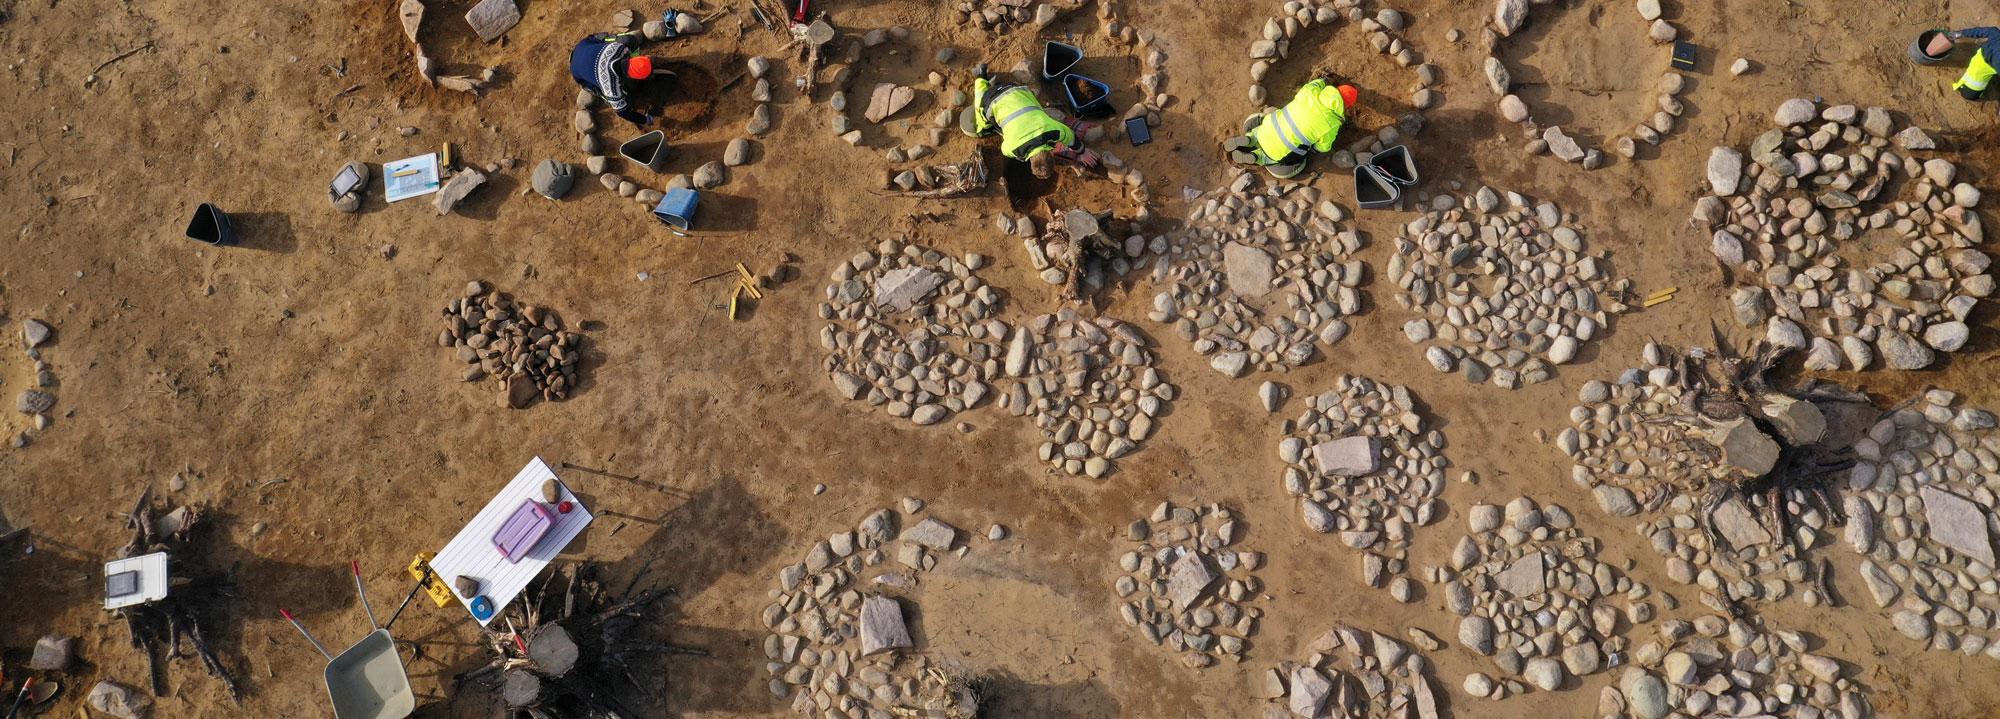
(309, 637)
(358, 589)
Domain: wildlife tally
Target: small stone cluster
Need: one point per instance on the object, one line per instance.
(1192, 589)
(1091, 386)
(1794, 228)
(1535, 597)
(1635, 464)
(1508, 17)
(999, 16)
(839, 645)
(1385, 35)
(1356, 674)
(1545, 295)
(1260, 279)
(1920, 510)
(1717, 667)
(1078, 251)
(1364, 467)
(526, 347)
(911, 331)
(36, 401)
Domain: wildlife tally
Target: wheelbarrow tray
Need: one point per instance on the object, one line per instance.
(368, 682)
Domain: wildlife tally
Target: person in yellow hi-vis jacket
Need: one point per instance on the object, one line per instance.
(1281, 141)
(1027, 132)
(1978, 73)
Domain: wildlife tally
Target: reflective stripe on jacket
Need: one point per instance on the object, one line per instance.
(1308, 123)
(1026, 130)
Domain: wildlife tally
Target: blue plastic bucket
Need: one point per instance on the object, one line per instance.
(676, 210)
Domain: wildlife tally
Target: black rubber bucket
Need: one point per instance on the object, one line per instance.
(1087, 97)
(1396, 164)
(1918, 53)
(1373, 191)
(1058, 59)
(211, 225)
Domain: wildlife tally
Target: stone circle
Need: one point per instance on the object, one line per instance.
(1364, 468)
(1509, 16)
(1793, 224)
(1715, 666)
(1357, 674)
(1533, 594)
(1090, 385)
(912, 331)
(1544, 294)
(1261, 278)
(1921, 512)
(1636, 464)
(839, 645)
(1186, 588)
(1384, 29)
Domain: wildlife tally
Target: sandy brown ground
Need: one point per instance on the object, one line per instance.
(308, 357)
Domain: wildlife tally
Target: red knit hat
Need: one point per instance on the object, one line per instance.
(639, 68)
(1348, 94)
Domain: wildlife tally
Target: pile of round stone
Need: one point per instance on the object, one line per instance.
(1635, 465)
(1920, 511)
(1793, 225)
(1047, 246)
(1260, 278)
(527, 348)
(1534, 596)
(1718, 667)
(1385, 35)
(1508, 17)
(1090, 385)
(1544, 295)
(999, 16)
(838, 643)
(1355, 674)
(1192, 589)
(1362, 465)
(911, 330)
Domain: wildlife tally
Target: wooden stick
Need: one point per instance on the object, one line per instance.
(121, 56)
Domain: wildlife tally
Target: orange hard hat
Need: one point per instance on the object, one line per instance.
(1348, 95)
(639, 68)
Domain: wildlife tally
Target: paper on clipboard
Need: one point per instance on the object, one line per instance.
(411, 177)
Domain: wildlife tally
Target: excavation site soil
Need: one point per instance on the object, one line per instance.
(892, 427)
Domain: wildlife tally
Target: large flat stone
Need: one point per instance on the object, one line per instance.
(1357, 456)
(1745, 446)
(932, 533)
(1738, 525)
(1526, 577)
(882, 627)
(493, 18)
(1250, 270)
(1309, 692)
(900, 288)
(1958, 523)
(1188, 579)
(456, 189)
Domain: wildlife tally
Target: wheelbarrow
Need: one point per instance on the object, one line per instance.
(367, 681)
